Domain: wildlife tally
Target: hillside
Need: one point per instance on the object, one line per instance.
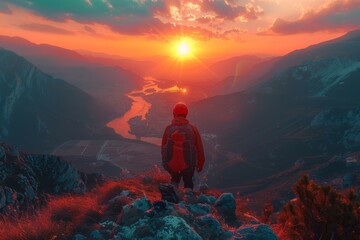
(309, 108)
(43, 197)
(344, 48)
(27, 179)
(107, 83)
(121, 209)
(37, 111)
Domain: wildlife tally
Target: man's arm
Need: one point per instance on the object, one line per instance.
(199, 149)
(163, 144)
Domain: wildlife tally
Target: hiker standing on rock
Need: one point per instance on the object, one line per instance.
(182, 149)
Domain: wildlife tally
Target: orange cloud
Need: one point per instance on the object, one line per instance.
(141, 17)
(38, 27)
(341, 15)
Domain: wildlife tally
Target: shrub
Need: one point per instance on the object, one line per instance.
(60, 218)
(268, 210)
(320, 212)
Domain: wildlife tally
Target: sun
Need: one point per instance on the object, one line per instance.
(183, 49)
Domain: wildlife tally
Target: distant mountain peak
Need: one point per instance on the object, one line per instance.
(33, 101)
(353, 34)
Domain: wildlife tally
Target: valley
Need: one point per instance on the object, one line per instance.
(176, 120)
(139, 110)
(131, 156)
(297, 108)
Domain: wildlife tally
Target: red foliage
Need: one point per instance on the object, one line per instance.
(64, 215)
(52, 222)
(319, 212)
(267, 212)
(69, 214)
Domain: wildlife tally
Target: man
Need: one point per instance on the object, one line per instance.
(182, 149)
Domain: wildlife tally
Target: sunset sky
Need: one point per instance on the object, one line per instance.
(144, 28)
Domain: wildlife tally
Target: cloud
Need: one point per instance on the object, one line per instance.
(88, 10)
(231, 10)
(335, 15)
(142, 17)
(44, 28)
(89, 29)
(4, 8)
(205, 19)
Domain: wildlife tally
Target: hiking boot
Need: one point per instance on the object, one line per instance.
(168, 193)
(177, 190)
(189, 196)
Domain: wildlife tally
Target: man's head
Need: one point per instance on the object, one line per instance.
(180, 110)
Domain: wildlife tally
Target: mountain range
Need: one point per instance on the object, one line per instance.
(344, 48)
(305, 106)
(301, 107)
(37, 111)
(107, 83)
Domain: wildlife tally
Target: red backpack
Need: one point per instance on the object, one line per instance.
(180, 151)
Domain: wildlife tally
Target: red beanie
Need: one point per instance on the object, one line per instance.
(180, 109)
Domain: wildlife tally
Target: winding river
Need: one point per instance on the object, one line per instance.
(140, 107)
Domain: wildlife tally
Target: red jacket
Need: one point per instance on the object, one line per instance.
(198, 142)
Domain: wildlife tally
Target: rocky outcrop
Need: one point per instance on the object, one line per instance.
(204, 219)
(124, 209)
(25, 179)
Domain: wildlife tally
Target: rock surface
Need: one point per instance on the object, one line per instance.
(25, 178)
(226, 205)
(254, 232)
(143, 219)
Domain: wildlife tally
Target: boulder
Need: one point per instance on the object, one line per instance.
(199, 209)
(160, 208)
(143, 231)
(203, 199)
(173, 227)
(209, 228)
(168, 227)
(107, 227)
(254, 232)
(114, 207)
(226, 206)
(212, 199)
(131, 216)
(142, 204)
(133, 212)
(181, 210)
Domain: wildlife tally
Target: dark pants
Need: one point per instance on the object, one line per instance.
(186, 175)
